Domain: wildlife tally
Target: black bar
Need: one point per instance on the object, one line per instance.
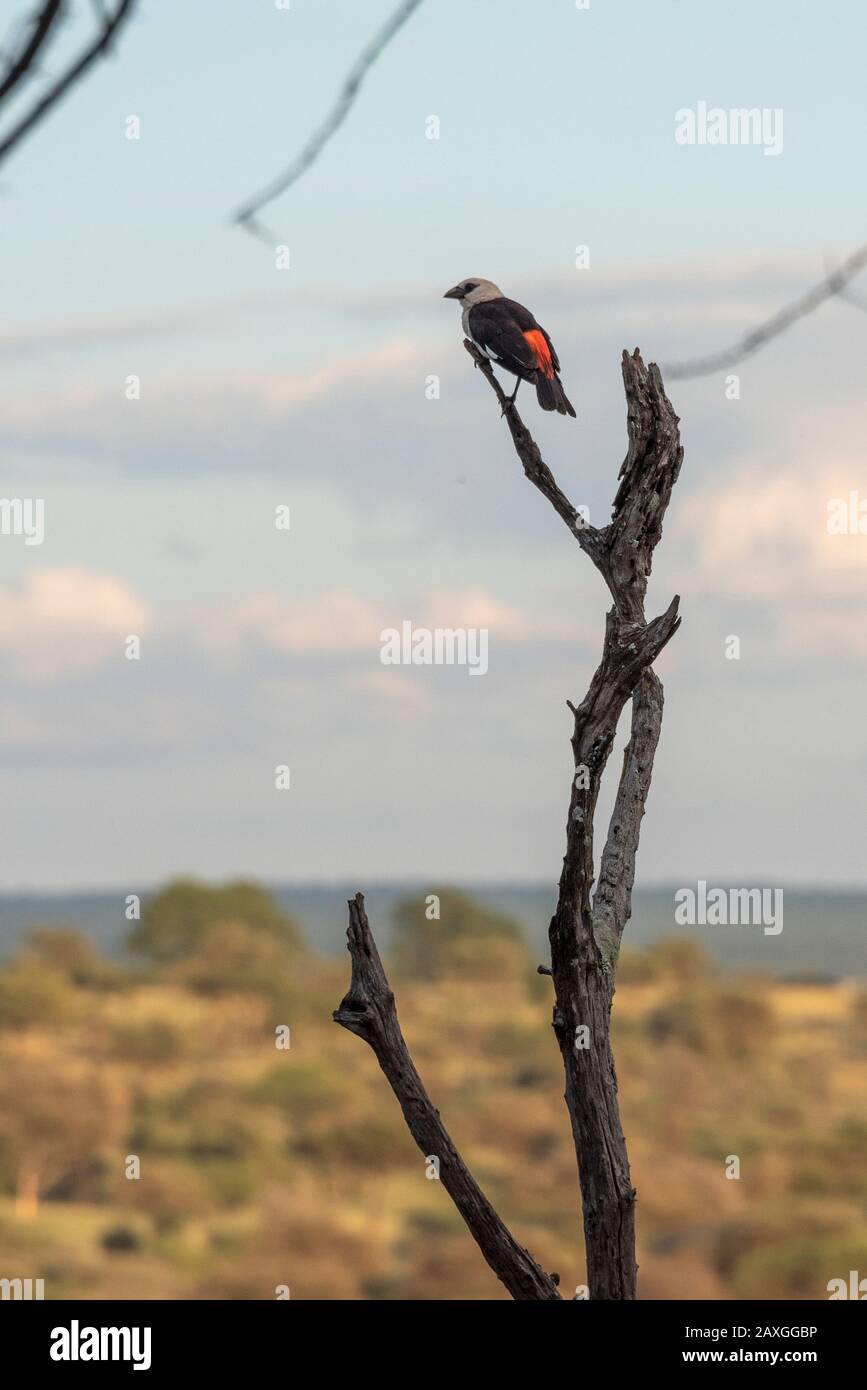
(252, 1337)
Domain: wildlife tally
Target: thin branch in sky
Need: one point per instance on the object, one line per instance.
(849, 296)
(63, 84)
(247, 214)
(37, 30)
(834, 285)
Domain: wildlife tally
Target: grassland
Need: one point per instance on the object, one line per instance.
(261, 1167)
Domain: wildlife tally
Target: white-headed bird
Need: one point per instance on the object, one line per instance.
(509, 335)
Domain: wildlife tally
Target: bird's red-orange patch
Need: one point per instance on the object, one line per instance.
(536, 338)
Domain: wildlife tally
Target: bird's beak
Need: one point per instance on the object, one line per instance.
(456, 293)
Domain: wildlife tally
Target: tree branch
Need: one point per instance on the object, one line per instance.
(98, 46)
(369, 1011)
(590, 540)
(612, 900)
(585, 933)
(40, 27)
(834, 284)
(247, 215)
(647, 476)
(623, 550)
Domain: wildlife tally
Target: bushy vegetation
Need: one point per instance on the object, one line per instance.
(181, 921)
(260, 1165)
(449, 933)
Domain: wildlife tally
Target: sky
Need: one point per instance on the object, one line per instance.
(308, 387)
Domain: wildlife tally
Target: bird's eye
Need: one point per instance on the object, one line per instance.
(470, 285)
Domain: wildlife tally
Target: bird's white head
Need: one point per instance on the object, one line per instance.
(474, 290)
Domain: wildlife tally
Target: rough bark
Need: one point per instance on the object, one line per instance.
(585, 931)
(369, 1011)
(586, 928)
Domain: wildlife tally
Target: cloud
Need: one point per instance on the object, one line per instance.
(762, 539)
(474, 607)
(205, 318)
(765, 538)
(819, 631)
(222, 417)
(205, 419)
(327, 623)
(62, 622)
(740, 284)
(340, 623)
(264, 665)
(394, 691)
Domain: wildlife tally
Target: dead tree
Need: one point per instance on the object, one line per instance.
(587, 927)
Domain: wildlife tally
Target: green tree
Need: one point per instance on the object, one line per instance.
(71, 953)
(680, 958)
(61, 1127)
(465, 938)
(733, 1020)
(235, 958)
(32, 995)
(177, 923)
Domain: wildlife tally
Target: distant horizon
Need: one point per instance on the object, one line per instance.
(823, 934)
(413, 881)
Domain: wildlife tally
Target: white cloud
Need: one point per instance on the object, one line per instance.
(819, 631)
(326, 623)
(394, 690)
(741, 283)
(218, 410)
(63, 621)
(340, 622)
(765, 538)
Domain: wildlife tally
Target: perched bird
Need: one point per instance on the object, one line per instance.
(508, 334)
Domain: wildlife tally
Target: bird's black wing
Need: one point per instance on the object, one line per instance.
(523, 318)
(496, 328)
(526, 322)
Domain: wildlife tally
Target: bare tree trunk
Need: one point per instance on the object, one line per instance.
(584, 988)
(586, 928)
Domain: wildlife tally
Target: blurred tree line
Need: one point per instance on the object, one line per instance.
(156, 1141)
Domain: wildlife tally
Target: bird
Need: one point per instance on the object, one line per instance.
(509, 335)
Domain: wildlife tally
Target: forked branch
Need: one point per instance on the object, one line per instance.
(369, 1011)
(586, 928)
(110, 24)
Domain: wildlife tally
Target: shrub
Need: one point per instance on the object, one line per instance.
(467, 939)
(178, 921)
(733, 1021)
(30, 995)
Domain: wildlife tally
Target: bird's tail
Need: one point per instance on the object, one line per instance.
(551, 396)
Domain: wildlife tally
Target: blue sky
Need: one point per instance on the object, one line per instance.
(556, 128)
(306, 386)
